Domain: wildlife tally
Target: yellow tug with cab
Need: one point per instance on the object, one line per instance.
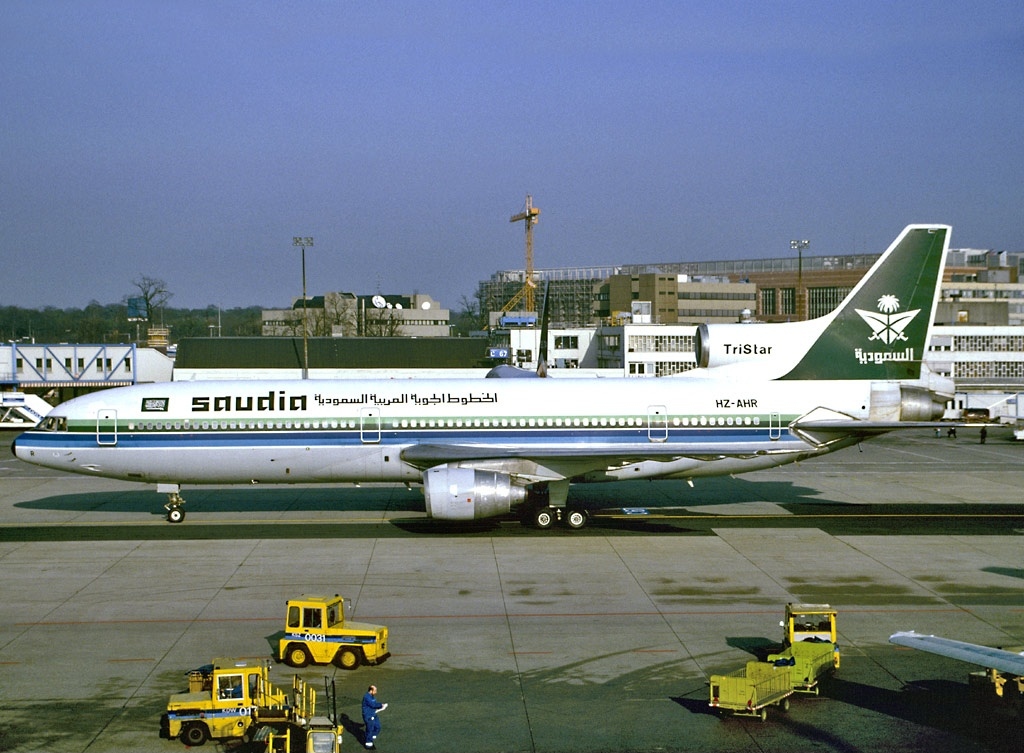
(810, 645)
(316, 632)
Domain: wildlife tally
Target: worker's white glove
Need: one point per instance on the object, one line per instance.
(382, 708)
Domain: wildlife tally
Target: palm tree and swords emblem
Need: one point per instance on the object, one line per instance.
(888, 323)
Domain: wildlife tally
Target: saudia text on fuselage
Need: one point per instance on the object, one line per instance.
(272, 401)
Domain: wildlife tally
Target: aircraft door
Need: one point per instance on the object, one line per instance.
(369, 425)
(774, 426)
(657, 423)
(106, 427)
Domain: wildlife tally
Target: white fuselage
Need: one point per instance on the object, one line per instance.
(354, 430)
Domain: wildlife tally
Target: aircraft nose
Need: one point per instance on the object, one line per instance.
(14, 447)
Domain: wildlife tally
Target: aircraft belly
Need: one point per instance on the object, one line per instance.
(268, 465)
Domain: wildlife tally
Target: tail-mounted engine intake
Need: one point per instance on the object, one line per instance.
(724, 344)
(454, 493)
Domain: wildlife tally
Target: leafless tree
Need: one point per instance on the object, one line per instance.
(153, 291)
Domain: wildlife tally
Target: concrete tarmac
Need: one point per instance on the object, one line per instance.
(509, 639)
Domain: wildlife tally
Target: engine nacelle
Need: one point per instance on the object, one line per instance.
(454, 493)
(775, 346)
(891, 401)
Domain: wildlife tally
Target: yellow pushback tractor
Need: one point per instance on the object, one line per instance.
(316, 632)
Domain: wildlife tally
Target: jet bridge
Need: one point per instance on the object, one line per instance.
(28, 365)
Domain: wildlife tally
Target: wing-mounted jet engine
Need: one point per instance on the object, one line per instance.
(456, 493)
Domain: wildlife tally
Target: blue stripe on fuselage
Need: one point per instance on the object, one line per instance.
(537, 437)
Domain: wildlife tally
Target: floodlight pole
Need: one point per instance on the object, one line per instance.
(799, 247)
(304, 243)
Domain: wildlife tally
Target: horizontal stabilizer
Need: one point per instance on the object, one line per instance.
(983, 656)
(853, 427)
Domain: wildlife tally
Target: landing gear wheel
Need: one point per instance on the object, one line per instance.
(544, 518)
(576, 519)
(297, 655)
(175, 513)
(194, 734)
(347, 658)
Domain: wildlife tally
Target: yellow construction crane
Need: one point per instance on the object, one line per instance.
(529, 216)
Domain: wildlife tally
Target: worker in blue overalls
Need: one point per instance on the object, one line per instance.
(370, 708)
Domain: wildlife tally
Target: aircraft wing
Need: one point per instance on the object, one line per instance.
(551, 463)
(432, 454)
(990, 658)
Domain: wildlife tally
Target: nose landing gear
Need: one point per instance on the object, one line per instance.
(175, 503)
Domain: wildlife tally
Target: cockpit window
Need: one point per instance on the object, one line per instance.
(53, 423)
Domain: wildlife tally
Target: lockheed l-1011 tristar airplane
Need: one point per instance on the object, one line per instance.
(765, 395)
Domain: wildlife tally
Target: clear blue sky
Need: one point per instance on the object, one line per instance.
(189, 140)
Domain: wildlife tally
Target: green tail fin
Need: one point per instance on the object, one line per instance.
(881, 329)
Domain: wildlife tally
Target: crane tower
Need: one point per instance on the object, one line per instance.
(529, 218)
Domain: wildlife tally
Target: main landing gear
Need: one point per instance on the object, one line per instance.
(547, 504)
(544, 517)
